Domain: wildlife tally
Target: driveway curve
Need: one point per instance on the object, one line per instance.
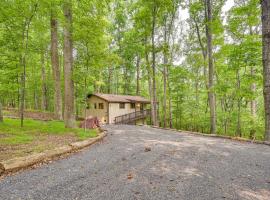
(145, 163)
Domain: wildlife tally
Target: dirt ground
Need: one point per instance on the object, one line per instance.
(39, 144)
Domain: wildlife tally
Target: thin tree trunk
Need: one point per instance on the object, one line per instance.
(138, 90)
(22, 83)
(165, 63)
(170, 101)
(204, 52)
(148, 68)
(126, 85)
(238, 129)
(253, 107)
(266, 63)
(253, 103)
(1, 113)
(56, 68)
(154, 99)
(23, 77)
(44, 103)
(69, 115)
(110, 71)
(25, 38)
(211, 70)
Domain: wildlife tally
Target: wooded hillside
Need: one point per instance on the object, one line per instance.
(200, 62)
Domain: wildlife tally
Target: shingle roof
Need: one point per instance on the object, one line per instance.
(113, 98)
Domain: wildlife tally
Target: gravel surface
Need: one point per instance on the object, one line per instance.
(146, 163)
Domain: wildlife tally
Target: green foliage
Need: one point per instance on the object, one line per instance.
(110, 37)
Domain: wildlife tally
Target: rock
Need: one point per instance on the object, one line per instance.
(147, 149)
(130, 176)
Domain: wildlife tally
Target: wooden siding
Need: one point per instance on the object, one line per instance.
(101, 114)
(110, 111)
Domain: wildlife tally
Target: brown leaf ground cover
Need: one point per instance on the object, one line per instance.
(36, 136)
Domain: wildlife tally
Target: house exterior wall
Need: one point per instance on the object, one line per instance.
(115, 110)
(101, 114)
(110, 110)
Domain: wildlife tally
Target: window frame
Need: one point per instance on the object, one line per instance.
(122, 105)
(101, 106)
(132, 105)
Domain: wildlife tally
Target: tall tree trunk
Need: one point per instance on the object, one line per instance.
(110, 75)
(25, 38)
(253, 107)
(266, 63)
(148, 68)
(36, 106)
(154, 99)
(69, 115)
(253, 103)
(56, 68)
(170, 100)
(239, 100)
(165, 63)
(1, 113)
(44, 103)
(126, 84)
(211, 69)
(138, 89)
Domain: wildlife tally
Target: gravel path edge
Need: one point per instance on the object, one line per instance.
(214, 135)
(17, 164)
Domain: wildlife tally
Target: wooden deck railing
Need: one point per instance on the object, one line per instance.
(131, 117)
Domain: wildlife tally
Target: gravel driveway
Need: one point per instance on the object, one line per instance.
(179, 166)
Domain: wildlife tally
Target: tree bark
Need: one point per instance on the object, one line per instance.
(148, 68)
(211, 69)
(253, 103)
(25, 40)
(154, 99)
(1, 113)
(265, 4)
(138, 89)
(239, 100)
(69, 115)
(165, 63)
(44, 90)
(110, 76)
(56, 68)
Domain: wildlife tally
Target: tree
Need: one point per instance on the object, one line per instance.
(211, 69)
(69, 112)
(154, 99)
(23, 58)
(266, 62)
(55, 65)
(1, 113)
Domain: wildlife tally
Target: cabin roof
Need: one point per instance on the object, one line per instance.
(113, 98)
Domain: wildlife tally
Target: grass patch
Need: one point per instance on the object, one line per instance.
(12, 133)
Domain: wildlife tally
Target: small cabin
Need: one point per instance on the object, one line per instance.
(117, 109)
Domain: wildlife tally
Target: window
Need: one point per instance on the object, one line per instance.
(122, 105)
(101, 106)
(95, 105)
(132, 105)
(88, 106)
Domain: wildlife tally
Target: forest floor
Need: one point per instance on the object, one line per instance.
(36, 136)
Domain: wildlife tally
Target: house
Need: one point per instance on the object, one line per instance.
(117, 109)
